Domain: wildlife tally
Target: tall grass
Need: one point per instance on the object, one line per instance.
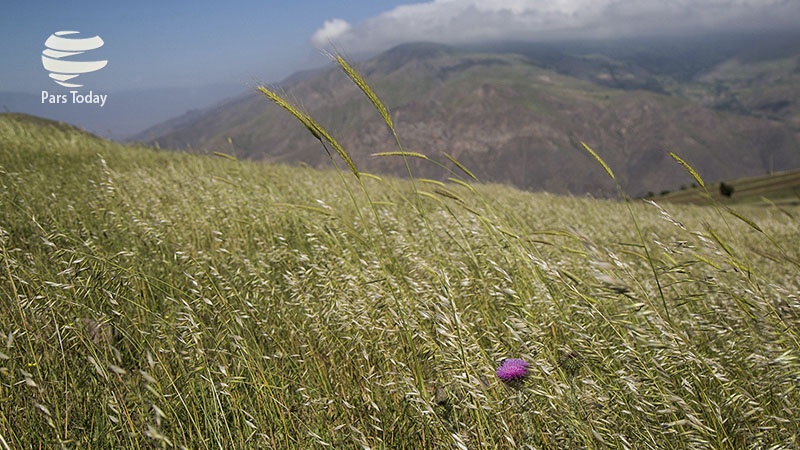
(169, 300)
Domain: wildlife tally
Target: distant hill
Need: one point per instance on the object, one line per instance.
(776, 188)
(40, 125)
(514, 113)
(126, 112)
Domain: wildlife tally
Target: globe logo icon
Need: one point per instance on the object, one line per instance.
(60, 46)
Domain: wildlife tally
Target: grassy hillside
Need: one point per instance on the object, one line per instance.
(777, 188)
(155, 299)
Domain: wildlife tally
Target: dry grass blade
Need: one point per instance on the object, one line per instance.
(305, 207)
(449, 194)
(460, 166)
(313, 127)
(462, 184)
(359, 81)
(429, 181)
(340, 150)
(305, 119)
(744, 219)
(719, 240)
(404, 153)
(688, 168)
(225, 155)
(371, 176)
(599, 160)
(428, 195)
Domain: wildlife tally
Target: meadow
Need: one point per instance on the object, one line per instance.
(151, 299)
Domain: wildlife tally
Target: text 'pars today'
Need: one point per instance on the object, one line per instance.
(75, 97)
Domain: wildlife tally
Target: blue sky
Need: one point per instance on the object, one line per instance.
(155, 47)
(174, 43)
(191, 43)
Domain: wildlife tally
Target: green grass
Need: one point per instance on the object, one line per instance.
(154, 299)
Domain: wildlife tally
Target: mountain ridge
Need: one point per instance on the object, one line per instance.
(510, 118)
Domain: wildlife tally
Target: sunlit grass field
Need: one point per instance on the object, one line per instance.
(162, 300)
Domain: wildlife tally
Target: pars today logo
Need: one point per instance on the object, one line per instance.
(58, 59)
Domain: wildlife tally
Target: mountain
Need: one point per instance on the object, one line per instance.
(515, 113)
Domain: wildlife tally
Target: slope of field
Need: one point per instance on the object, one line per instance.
(158, 299)
(776, 188)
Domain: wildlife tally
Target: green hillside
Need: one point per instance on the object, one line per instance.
(154, 299)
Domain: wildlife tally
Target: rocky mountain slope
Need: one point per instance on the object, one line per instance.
(517, 116)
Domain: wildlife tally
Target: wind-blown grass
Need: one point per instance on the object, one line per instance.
(162, 299)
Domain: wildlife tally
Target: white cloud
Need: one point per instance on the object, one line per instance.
(331, 31)
(461, 21)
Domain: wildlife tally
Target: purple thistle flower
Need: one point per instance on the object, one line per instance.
(512, 369)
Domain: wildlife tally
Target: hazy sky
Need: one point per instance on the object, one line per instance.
(191, 43)
(171, 43)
